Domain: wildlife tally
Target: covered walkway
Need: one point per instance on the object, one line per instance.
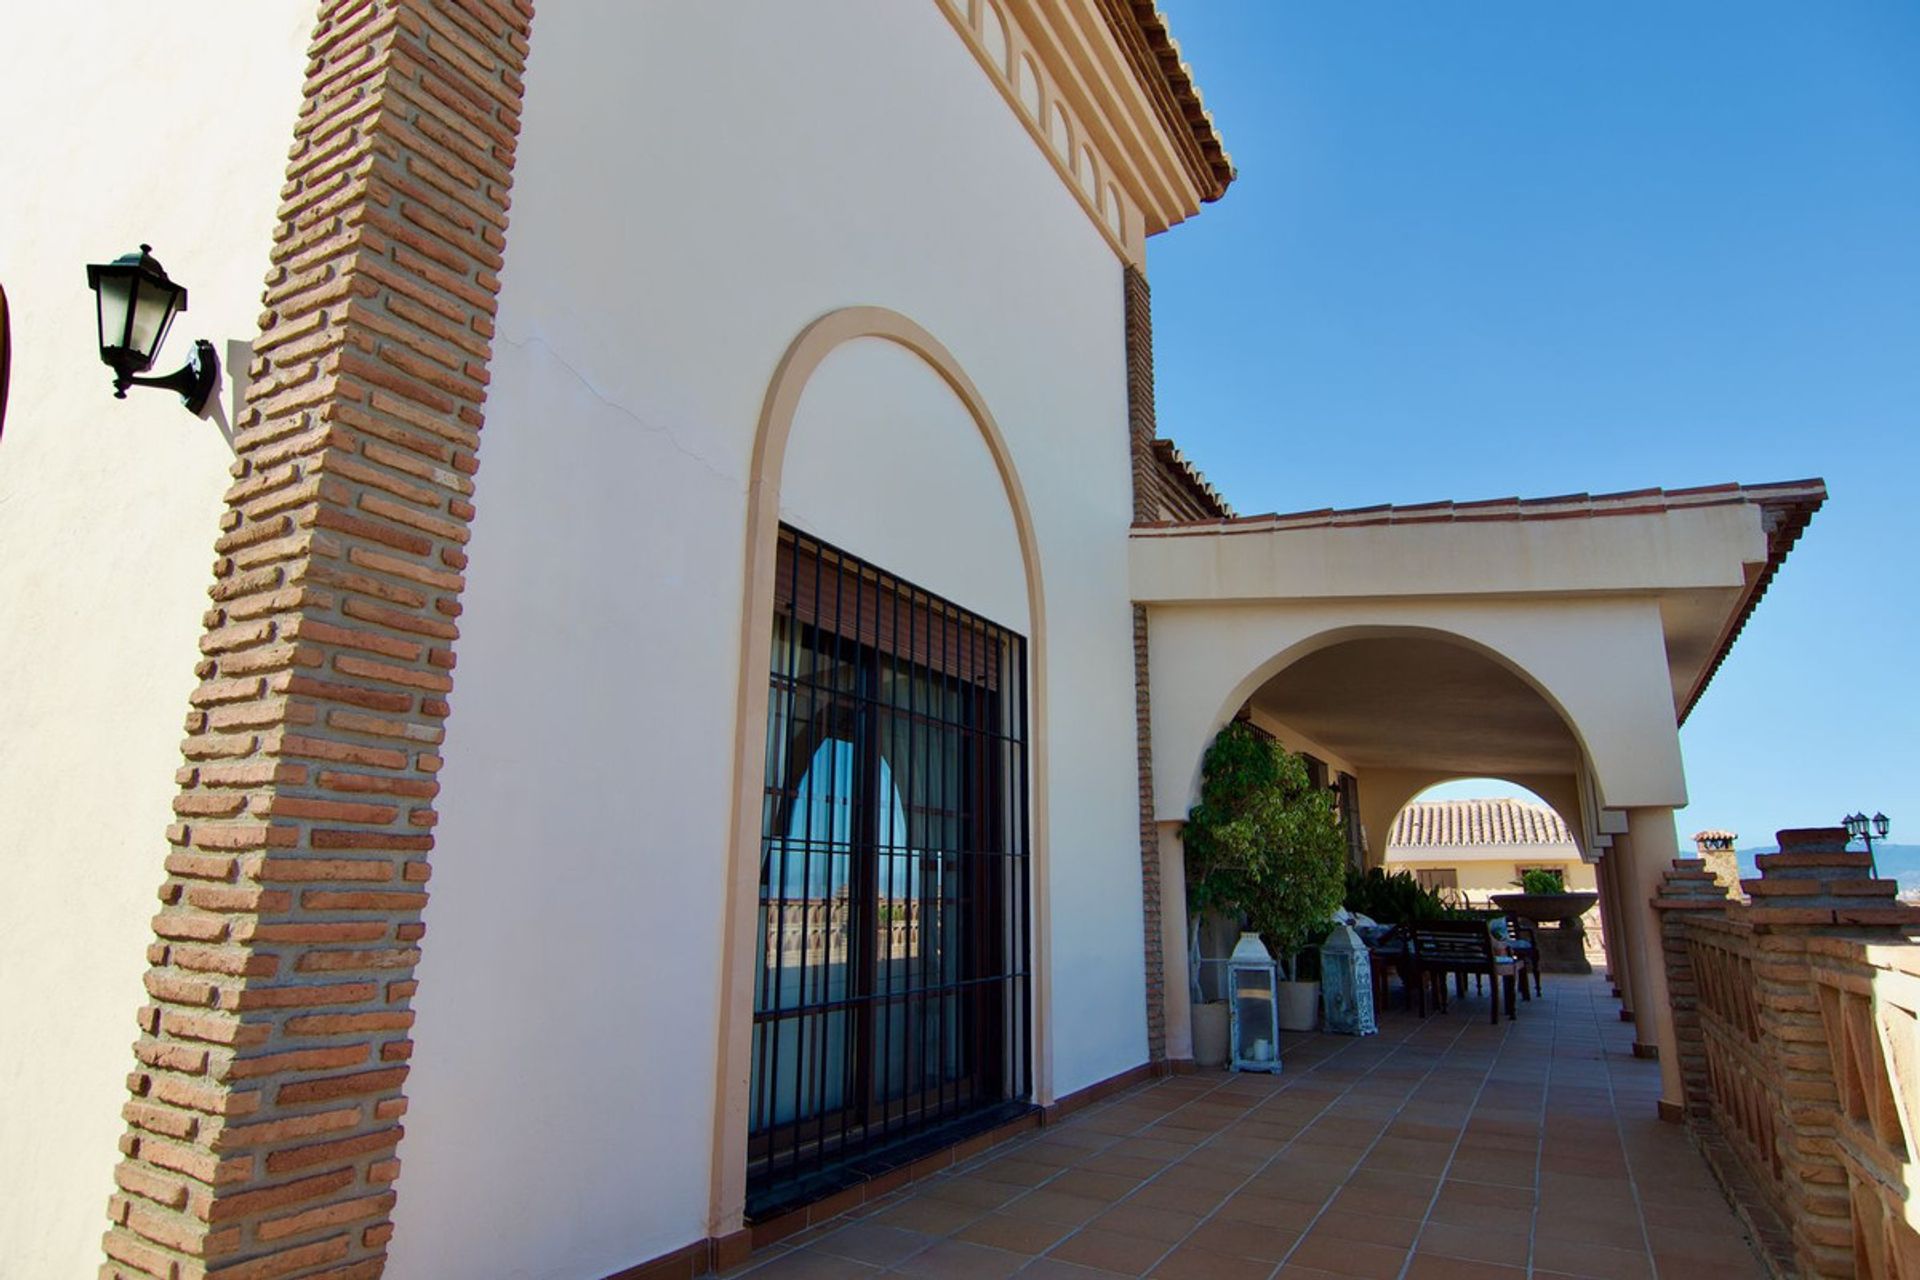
(1439, 1149)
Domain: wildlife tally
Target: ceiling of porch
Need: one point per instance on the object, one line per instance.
(1419, 703)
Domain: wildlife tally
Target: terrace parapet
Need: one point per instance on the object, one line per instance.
(1795, 1018)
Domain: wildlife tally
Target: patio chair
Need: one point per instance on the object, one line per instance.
(1460, 947)
(1525, 946)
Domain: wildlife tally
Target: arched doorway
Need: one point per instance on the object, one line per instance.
(816, 1077)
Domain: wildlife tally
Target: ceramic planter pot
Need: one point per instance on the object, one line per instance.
(1210, 1041)
(1299, 1005)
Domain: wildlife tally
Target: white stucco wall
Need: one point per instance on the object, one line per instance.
(108, 512)
(692, 190)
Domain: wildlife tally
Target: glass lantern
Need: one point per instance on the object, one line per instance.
(1253, 1013)
(1346, 984)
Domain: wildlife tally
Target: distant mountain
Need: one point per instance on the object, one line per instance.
(1899, 862)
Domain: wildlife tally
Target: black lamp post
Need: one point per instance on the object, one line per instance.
(137, 304)
(1861, 827)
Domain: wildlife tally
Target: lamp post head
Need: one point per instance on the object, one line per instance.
(135, 303)
(1881, 825)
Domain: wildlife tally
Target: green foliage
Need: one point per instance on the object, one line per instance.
(1541, 880)
(1264, 840)
(1396, 898)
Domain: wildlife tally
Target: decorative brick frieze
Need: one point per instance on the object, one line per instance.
(266, 1092)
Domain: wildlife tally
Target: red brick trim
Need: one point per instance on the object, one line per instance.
(1140, 433)
(267, 1086)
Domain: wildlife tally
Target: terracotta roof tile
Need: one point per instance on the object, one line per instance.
(1142, 32)
(1575, 506)
(1430, 824)
(1181, 467)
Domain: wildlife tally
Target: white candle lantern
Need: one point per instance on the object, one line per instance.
(1251, 975)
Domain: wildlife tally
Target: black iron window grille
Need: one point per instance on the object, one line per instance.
(892, 999)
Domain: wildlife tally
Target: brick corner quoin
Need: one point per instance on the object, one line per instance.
(266, 1091)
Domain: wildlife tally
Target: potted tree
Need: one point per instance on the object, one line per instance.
(1266, 843)
(1219, 841)
(1298, 880)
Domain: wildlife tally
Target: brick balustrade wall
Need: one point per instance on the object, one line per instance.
(1757, 1038)
(1870, 1008)
(267, 1082)
(1140, 431)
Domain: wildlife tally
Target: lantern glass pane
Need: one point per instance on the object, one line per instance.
(115, 300)
(152, 310)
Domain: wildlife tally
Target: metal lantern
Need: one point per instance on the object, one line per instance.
(1346, 983)
(1253, 1014)
(136, 303)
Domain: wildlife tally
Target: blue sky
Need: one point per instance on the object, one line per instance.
(1511, 247)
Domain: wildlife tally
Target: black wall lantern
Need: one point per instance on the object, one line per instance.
(137, 304)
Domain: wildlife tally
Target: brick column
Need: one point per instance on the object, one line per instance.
(1140, 433)
(267, 1083)
(1688, 888)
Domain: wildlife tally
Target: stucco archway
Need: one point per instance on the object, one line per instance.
(791, 376)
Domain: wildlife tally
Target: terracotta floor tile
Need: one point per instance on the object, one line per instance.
(873, 1242)
(1048, 1205)
(807, 1265)
(1707, 1248)
(1055, 1269)
(1367, 1228)
(1464, 1143)
(1015, 1170)
(1030, 1236)
(1348, 1257)
(1190, 1262)
(1179, 1199)
(925, 1213)
(1243, 1239)
(1432, 1266)
(1386, 1204)
(1163, 1225)
(957, 1260)
(1269, 1211)
(1474, 1244)
(1591, 1261)
(968, 1189)
(1109, 1250)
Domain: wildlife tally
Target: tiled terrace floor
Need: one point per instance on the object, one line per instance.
(1437, 1149)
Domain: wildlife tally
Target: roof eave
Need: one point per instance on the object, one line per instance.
(1785, 512)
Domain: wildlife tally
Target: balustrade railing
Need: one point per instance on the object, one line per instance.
(1870, 1009)
(1797, 1021)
